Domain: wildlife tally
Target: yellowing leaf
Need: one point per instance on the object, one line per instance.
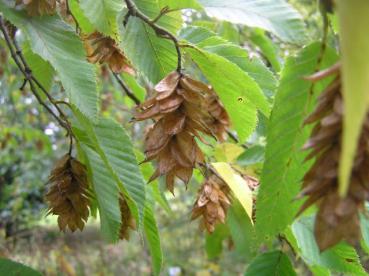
(237, 184)
(354, 22)
(227, 152)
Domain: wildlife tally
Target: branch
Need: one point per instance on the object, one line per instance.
(126, 89)
(69, 12)
(21, 63)
(134, 11)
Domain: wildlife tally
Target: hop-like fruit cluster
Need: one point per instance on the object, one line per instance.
(104, 49)
(220, 122)
(180, 112)
(67, 195)
(337, 218)
(212, 203)
(38, 7)
(127, 220)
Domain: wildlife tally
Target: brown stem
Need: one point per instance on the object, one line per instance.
(126, 89)
(69, 12)
(21, 63)
(134, 11)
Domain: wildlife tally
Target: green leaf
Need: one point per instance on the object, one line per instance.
(136, 88)
(153, 238)
(41, 69)
(171, 21)
(115, 148)
(209, 41)
(276, 16)
(183, 4)
(154, 187)
(267, 47)
(214, 241)
(284, 165)
(83, 21)
(354, 22)
(341, 258)
(242, 231)
(103, 14)
(155, 57)
(107, 193)
(11, 268)
(271, 263)
(239, 93)
(56, 42)
(251, 156)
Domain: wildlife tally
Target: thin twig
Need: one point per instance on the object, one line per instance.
(134, 11)
(126, 89)
(69, 12)
(21, 63)
(25, 71)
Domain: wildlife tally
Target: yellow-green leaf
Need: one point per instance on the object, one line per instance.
(354, 24)
(237, 184)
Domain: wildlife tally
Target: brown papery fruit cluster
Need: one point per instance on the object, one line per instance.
(67, 196)
(127, 220)
(337, 218)
(180, 113)
(103, 49)
(212, 203)
(219, 122)
(38, 7)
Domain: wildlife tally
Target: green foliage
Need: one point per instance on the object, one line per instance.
(242, 231)
(107, 192)
(153, 56)
(284, 164)
(152, 235)
(113, 145)
(103, 14)
(271, 263)
(41, 69)
(184, 4)
(56, 42)
(16, 269)
(268, 48)
(275, 16)
(214, 241)
(341, 258)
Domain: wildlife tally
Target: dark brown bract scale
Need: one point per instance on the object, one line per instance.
(337, 218)
(67, 196)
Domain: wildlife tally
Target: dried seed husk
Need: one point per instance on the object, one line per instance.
(180, 112)
(67, 195)
(38, 7)
(337, 218)
(104, 49)
(212, 203)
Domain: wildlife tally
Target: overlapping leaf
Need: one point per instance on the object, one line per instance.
(155, 57)
(284, 164)
(56, 42)
(341, 258)
(276, 16)
(271, 263)
(103, 14)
